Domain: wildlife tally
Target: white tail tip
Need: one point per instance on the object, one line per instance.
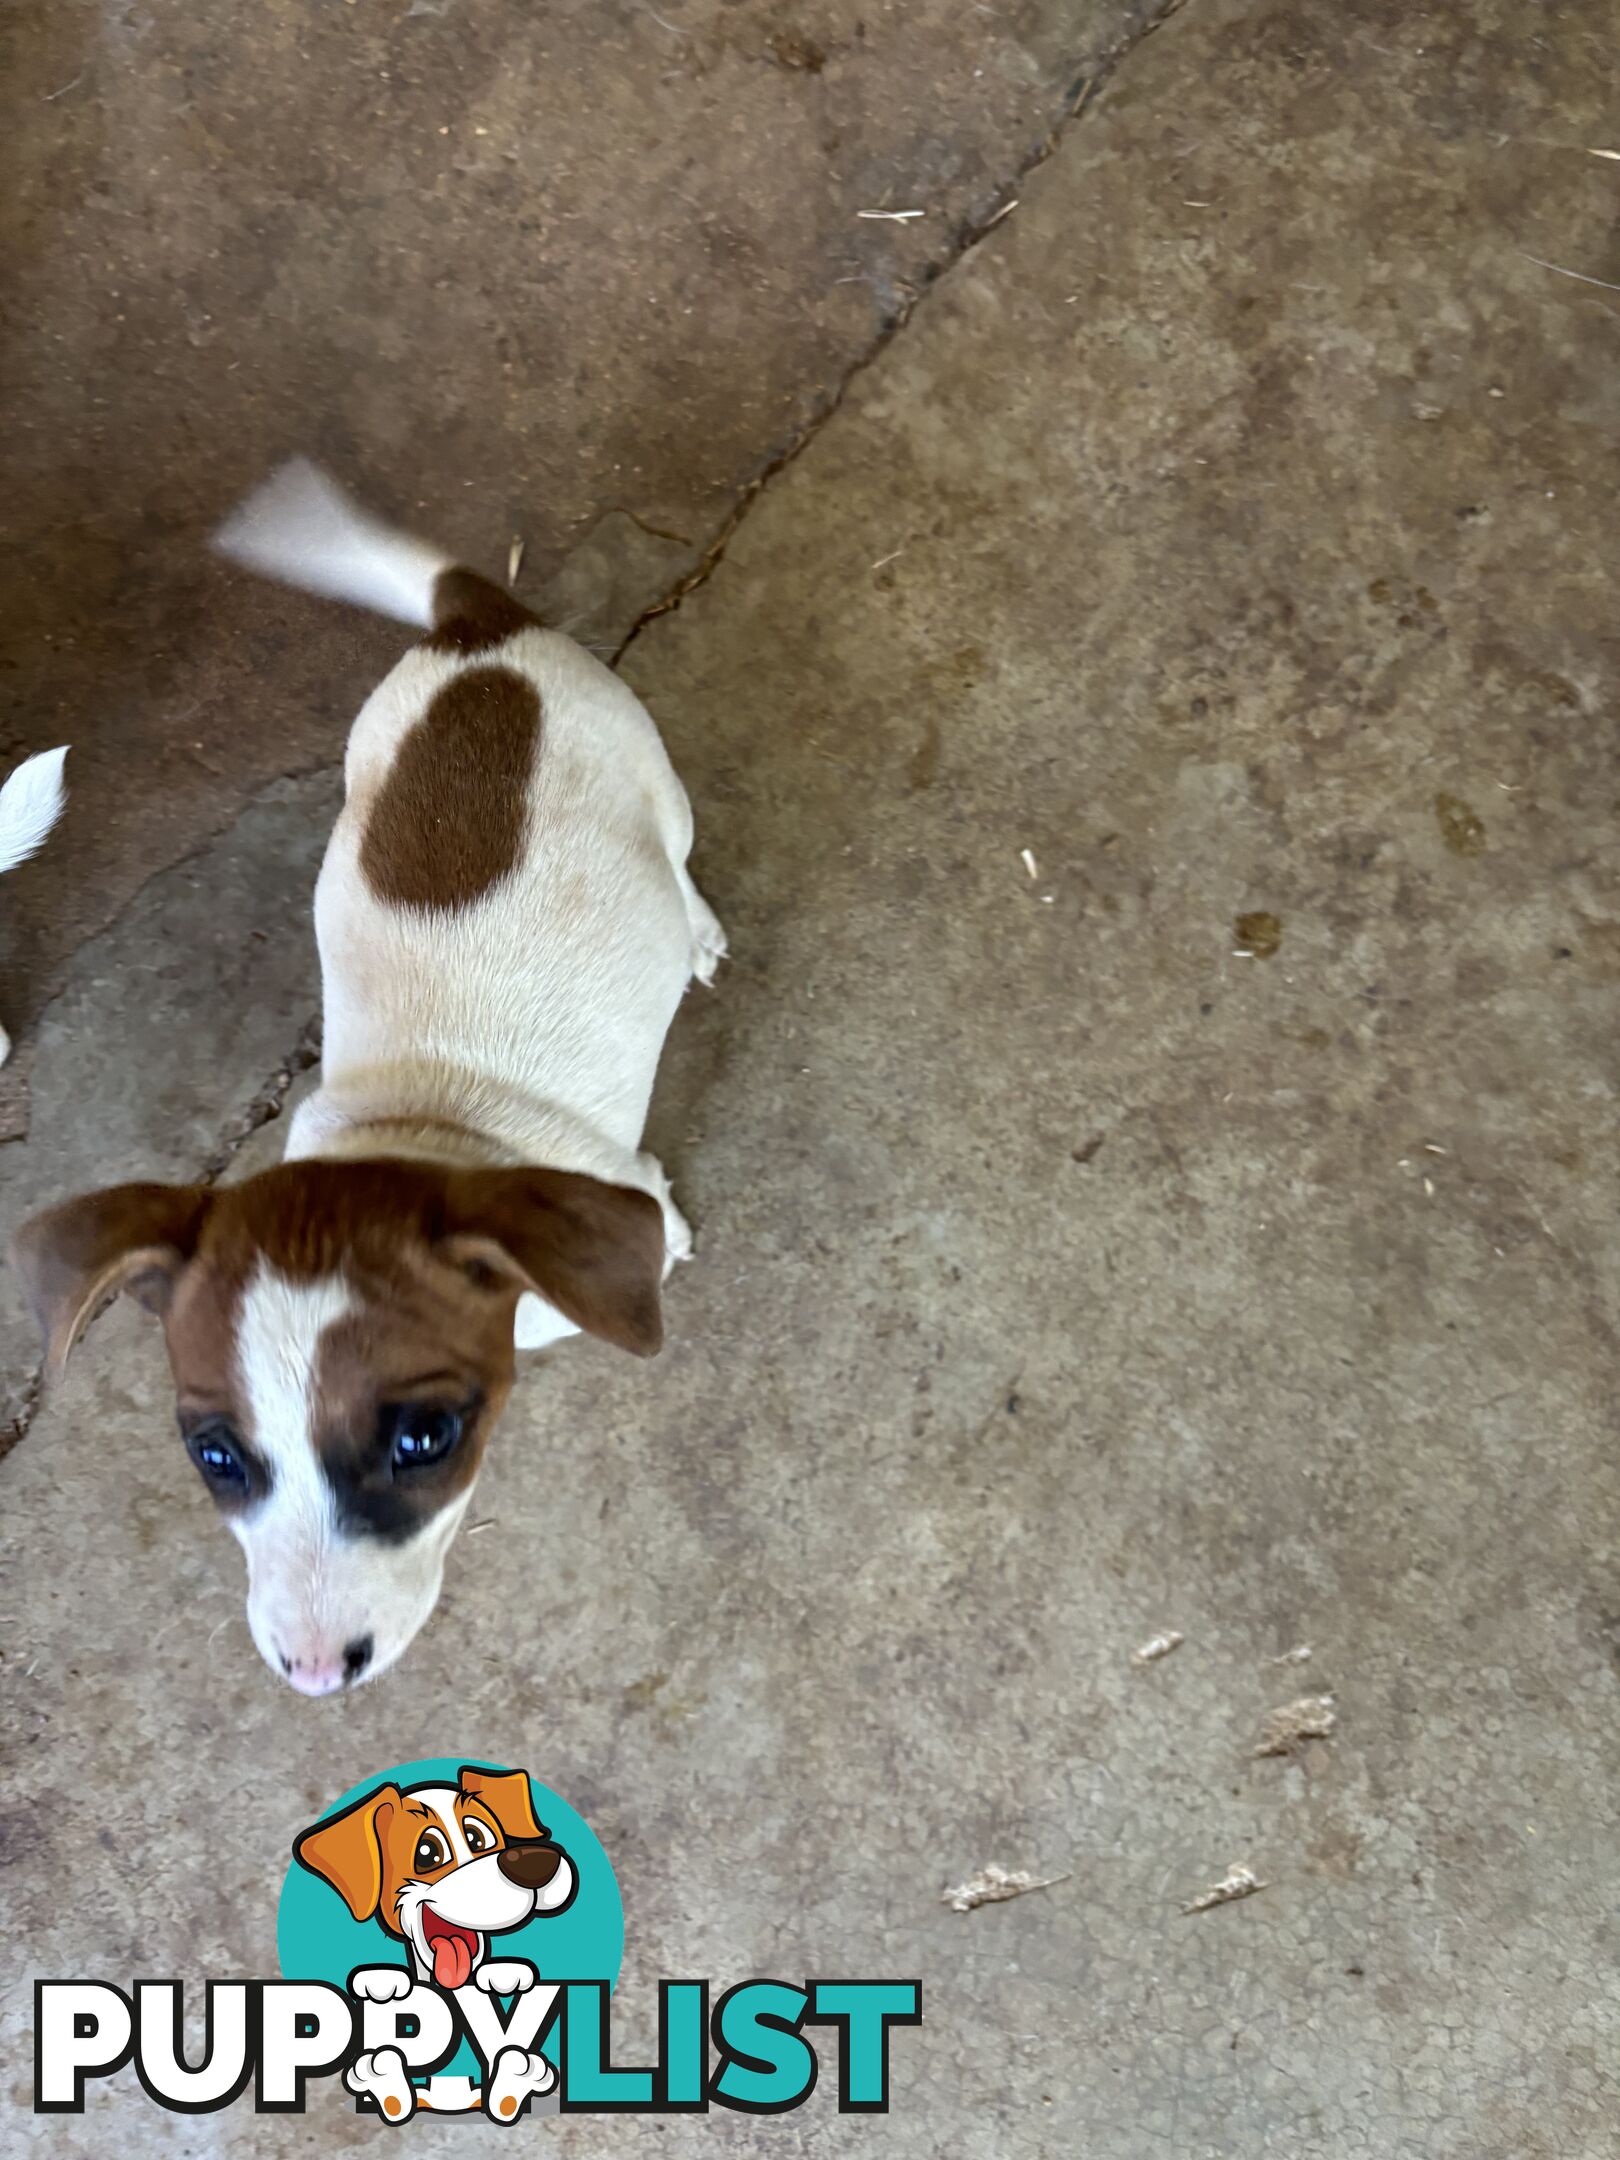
(30, 804)
(301, 528)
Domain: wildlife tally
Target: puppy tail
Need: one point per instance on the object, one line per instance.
(30, 804)
(302, 528)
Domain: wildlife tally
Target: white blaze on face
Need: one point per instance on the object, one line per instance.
(313, 1589)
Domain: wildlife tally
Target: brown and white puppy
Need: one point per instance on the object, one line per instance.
(506, 926)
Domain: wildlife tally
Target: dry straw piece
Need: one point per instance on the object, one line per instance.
(992, 1885)
(1238, 1882)
(1307, 1717)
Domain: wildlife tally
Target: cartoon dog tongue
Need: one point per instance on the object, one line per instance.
(452, 1959)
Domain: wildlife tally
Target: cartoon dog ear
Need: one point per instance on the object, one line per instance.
(594, 1250)
(506, 1794)
(346, 1851)
(74, 1258)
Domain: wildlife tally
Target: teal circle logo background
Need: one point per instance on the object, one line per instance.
(317, 1938)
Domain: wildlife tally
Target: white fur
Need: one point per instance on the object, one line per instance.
(30, 804)
(31, 801)
(534, 1017)
(302, 528)
(311, 1589)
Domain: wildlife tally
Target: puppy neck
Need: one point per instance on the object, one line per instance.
(436, 1114)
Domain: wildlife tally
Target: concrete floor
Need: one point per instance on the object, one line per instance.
(1228, 529)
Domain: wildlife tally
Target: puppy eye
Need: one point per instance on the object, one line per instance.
(430, 1852)
(478, 1838)
(216, 1452)
(420, 1433)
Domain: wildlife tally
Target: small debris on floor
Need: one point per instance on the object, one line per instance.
(486, 1522)
(1299, 1655)
(894, 217)
(1307, 1717)
(1028, 860)
(1258, 935)
(1238, 1882)
(514, 561)
(1158, 1646)
(992, 1885)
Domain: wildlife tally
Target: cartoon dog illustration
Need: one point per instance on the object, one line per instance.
(442, 1868)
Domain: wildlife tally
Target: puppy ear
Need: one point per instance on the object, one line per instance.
(346, 1851)
(595, 1251)
(506, 1794)
(74, 1258)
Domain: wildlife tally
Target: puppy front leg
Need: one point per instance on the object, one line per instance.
(677, 1230)
(708, 939)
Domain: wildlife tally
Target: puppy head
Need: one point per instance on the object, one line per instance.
(443, 1867)
(341, 1341)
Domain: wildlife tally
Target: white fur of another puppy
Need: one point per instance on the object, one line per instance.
(31, 801)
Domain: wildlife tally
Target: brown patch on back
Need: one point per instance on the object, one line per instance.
(470, 614)
(449, 821)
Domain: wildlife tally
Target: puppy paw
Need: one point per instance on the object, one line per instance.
(515, 2079)
(677, 1235)
(708, 939)
(381, 1983)
(677, 1230)
(381, 2076)
(506, 1976)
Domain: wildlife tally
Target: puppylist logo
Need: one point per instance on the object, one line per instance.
(449, 1935)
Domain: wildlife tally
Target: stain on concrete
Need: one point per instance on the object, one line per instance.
(1258, 933)
(1461, 828)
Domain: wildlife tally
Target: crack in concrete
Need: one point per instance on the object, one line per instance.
(268, 1103)
(1080, 99)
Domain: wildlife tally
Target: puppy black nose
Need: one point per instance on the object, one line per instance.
(530, 1863)
(357, 1656)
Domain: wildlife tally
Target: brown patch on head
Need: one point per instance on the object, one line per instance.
(427, 1345)
(435, 1261)
(449, 821)
(470, 614)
